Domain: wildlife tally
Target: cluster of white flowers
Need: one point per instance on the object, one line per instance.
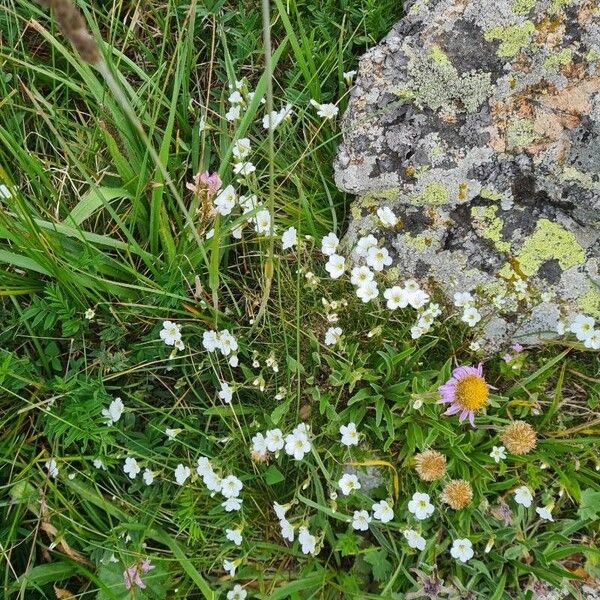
(584, 328)
(271, 441)
(114, 411)
(239, 99)
(524, 496)
(277, 117)
(170, 334)
(471, 316)
(223, 341)
(229, 486)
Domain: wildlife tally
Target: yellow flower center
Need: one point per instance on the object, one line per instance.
(472, 392)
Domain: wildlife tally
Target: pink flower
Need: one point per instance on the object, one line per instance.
(466, 391)
(507, 358)
(211, 182)
(517, 347)
(131, 575)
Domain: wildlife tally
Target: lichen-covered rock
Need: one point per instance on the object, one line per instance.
(478, 123)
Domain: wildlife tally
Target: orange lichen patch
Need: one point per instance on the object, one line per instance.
(550, 32)
(574, 99)
(586, 12)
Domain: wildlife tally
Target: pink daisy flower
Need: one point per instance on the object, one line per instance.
(466, 392)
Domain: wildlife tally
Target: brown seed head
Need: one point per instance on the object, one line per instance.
(519, 437)
(457, 494)
(430, 465)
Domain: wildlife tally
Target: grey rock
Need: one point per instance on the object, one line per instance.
(478, 123)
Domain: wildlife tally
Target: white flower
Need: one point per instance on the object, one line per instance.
(262, 221)
(232, 504)
(582, 327)
(280, 510)
(289, 238)
(335, 266)
(244, 168)
(148, 476)
(463, 299)
(131, 467)
(498, 453)
(348, 483)
(226, 342)
(382, 511)
(462, 550)
(592, 341)
(237, 232)
(249, 203)
(90, 313)
(329, 244)
(274, 439)
(212, 481)
(418, 298)
(361, 275)
(226, 393)
(475, 346)
(210, 340)
(51, 467)
(181, 474)
(225, 200)
(544, 513)
(113, 412)
(349, 76)
(471, 316)
(349, 434)
(231, 486)
(234, 535)
(523, 496)
(276, 117)
(396, 297)
(378, 258)
(326, 111)
(203, 466)
(414, 539)
(170, 333)
(332, 336)
(236, 98)
(420, 506)
(99, 464)
(259, 445)
(241, 148)
(5, 191)
(172, 433)
(361, 520)
(229, 567)
(233, 114)
(363, 245)
(387, 217)
(297, 444)
(287, 530)
(367, 292)
(307, 541)
(209, 234)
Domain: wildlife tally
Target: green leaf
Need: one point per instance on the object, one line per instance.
(92, 200)
(279, 411)
(380, 565)
(590, 504)
(273, 475)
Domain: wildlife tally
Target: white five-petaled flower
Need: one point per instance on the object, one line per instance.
(349, 76)
(172, 433)
(237, 593)
(287, 530)
(363, 245)
(234, 535)
(361, 520)
(387, 216)
(226, 393)
(498, 453)
(349, 434)
(244, 168)
(170, 334)
(397, 297)
(544, 512)
(148, 476)
(349, 483)
(231, 486)
(232, 504)
(51, 467)
(113, 412)
(523, 496)
(463, 299)
(326, 111)
(335, 266)
(592, 341)
(378, 258)
(262, 221)
(367, 292)
(259, 445)
(181, 474)
(289, 238)
(203, 466)
(225, 200)
(329, 244)
(471, 316)
(332, 336)
(131, 467)
(462, 550)
(297, 444)
(420, 506)
(308, 542)
(361, 275)
(382, 511)
(277, 117)
(582, 327)
(414, 539)
(229, 567)
(274, 440)
(90, 313)
(212, 481)
(241, 148)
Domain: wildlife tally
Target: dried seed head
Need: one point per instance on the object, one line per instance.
(457, 494)
(430, 465)
(519, 437)
(73, 27)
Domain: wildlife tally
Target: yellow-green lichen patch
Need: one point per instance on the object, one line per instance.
(438, 55)
(564, 57)
(489, 226)
(522, 7)
(434, 193)
(374, 199)
(513, 38)
(590, 302)
(420, 242)
(583, 179)
(557, 6)
(592, 56)
(356, 211)
(489, 194)
(519, 133)
(549, 241)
